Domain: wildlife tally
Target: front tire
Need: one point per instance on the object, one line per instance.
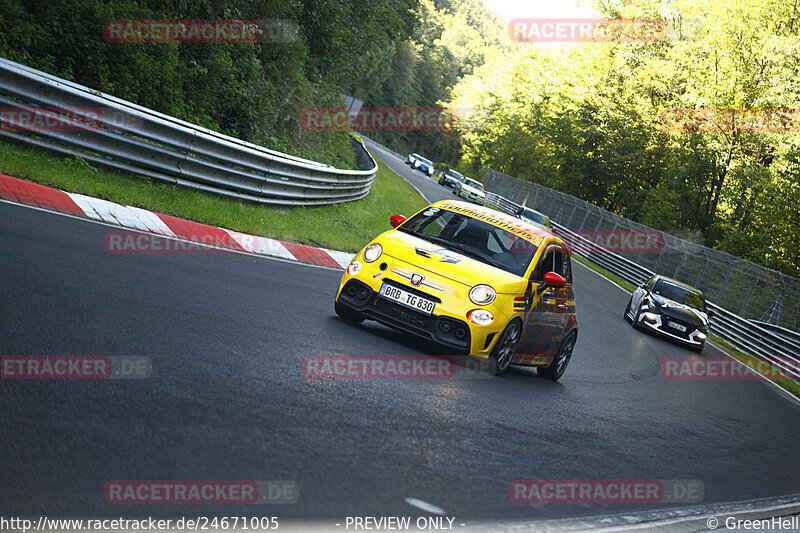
(627, 309)
(505, 348)
(636, 315)
(560, 361)
(347, 314)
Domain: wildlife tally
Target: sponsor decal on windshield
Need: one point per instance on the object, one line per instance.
(510, 226)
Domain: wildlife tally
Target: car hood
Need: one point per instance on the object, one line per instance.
(448, 263)
(679, 311)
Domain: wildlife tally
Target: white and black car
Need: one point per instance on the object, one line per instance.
(450, 178)
(672, 310)
(470, 190)
(417, 162)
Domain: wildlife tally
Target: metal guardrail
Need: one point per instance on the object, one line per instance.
(743, 287)
(135, 139)
(766, 343)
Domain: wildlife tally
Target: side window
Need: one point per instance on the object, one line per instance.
(566, 271)
(546, 264)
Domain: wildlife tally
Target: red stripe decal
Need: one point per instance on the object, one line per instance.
(307, 254)
(25, 192)
(201, 233)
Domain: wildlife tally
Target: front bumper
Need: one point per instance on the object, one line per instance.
(447, 325)
(657, 323)
(480, 200)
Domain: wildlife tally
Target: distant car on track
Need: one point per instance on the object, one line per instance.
(472, 279)
(670, 309)
(534, 217)
(470, 189)
(450, 178)
(418, 162)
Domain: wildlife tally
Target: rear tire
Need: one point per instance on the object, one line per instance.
(561, 360)
(348, 315)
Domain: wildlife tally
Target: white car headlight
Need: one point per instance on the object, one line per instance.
(372, 252)
(480, 317)
(354, 268)
(482, 295)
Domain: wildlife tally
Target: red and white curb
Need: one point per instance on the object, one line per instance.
(26, 192)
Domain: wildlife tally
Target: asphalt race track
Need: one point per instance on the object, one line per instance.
(226, 333)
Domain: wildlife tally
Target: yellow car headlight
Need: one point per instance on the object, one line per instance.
(482, 295)
(372, 252)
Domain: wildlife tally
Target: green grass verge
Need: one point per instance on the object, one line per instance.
(347, 227)
(749, 360)
(756, 363)
(605, 273)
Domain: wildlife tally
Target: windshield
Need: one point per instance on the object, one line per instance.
(678, 293)
(473, 238)
(532, 216)
(455, 174)
(423, 160)
(474, 184)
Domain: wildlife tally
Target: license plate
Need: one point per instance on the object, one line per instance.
(423, 305)
(674, 325)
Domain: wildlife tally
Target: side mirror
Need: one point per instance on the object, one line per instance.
(710, 313)
(396, 220)
(643, 286)
(551, 279)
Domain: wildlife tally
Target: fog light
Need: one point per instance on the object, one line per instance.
(700, 336)
(481, 317)
(650, 317)
(354, 268)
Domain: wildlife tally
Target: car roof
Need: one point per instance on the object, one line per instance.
(680, 283)
(539, 231)
(533, 211)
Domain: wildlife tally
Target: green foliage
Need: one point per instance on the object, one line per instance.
(451, 41)
(252, 91)
(587, 119)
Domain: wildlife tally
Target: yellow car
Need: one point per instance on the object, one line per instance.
(472, 279)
